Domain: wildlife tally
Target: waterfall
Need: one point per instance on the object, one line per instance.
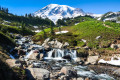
(58, 54)
(50, 54)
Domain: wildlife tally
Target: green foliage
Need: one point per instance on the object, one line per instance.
(116, 26)
(6, 42)
(91, 29)
(80, 43)
(92, 44)
(29, 20)
(72, 21)
(13, 29)
(118, 18)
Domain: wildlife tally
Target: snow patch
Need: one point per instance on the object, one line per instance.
(61, 32)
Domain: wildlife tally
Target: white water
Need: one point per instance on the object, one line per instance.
(83, 71)
(58, 54)
(30, 53)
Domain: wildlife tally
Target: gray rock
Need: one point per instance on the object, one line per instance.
(92, 59)
(65, 69)
(39, 73)
(66, 44)
(117, 72)
(115, 46)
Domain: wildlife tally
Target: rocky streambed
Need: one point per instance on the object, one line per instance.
(45, 62)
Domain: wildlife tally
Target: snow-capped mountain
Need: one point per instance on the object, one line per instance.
(55, 12)
(112, 16)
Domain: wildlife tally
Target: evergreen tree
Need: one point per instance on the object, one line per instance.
(26, 15)
(23, 28)
(0, 8)
(7, 10)
(52, 30)
(45, 36)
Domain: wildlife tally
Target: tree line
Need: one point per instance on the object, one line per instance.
(4, 9)
(28, 19)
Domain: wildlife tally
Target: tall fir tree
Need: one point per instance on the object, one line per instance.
(52, 29)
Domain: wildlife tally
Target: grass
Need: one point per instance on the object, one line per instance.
(87, 30)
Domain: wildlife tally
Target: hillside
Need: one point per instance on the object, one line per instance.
(89, 31)
(28, 19)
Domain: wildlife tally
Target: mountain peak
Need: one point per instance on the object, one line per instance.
(56, 11)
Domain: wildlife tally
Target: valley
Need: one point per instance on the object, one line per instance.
(59, 42)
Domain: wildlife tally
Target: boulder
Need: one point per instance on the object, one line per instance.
(48, 39)
(34, 56)
(58, 44)
(39, 73)
(78, 59)
(66, 44)
(115, 46)
(92, 59)
(13, 62)
(65, 69)
(116, 72)
(41, 56)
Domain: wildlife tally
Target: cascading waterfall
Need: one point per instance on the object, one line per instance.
(58, 54)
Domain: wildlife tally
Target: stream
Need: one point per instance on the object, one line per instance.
(60, 57)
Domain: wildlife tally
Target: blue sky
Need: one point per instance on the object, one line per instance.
(20, 7)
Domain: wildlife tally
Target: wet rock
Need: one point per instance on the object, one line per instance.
(78, 59)
(117, 72)
(21, 52)
(67, 57)
(34, 56)
(92, 59)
